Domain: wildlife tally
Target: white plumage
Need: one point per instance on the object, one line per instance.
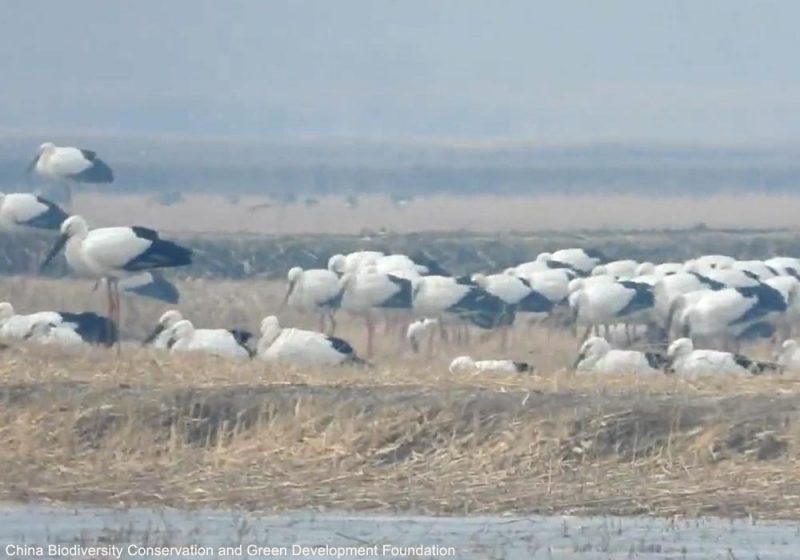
(466, 365)
(687, 362)
(48, 333)
(183, 337)
(671, 287)
(418, 329)
(367, 292)
(759, 268)
(553, 284)
(785, 265)
(14, 325)
(115, 252)
(314, 290)
(67, 163)
(597, 356)
(342, 264)
(434, 295)
(732, 277)
(606, 303)
(711, 262)
(159, 337)
(788, 358)
(621, 270)
(726, 312)
(578, 259)
(301, 347)
(26, 211)
(89, 327)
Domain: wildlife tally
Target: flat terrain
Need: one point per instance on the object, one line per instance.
(191, 431)
(198, 213)
(188, 431)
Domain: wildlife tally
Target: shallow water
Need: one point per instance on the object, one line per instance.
(24, 527)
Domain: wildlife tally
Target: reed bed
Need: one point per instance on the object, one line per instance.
(149, 428)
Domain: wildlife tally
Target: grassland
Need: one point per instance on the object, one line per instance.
(149, 428)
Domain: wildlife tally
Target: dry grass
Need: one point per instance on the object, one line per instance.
(149, 428)
(484, 213)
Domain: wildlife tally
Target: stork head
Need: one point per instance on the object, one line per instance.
(544, 257)
(168, 320)
(293, 276)
(679, 348)
(592, 350)
(645, 268)
(337, 264)
(46, 148)
(181, 330)
(6, 311)
(74, 226)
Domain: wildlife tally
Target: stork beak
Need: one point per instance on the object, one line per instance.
(62, 240)
(578, 360)
(153, 334)
(288, 294)
(32, 164)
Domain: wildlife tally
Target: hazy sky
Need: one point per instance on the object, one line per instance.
(551, 71)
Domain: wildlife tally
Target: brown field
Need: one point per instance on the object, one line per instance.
(259, 215)
(186, 431)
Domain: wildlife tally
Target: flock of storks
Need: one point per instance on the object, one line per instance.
(644, 318)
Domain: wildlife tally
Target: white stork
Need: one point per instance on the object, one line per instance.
(65, 164)
(726, 312)
(24, 212)
(580, 260)
(89, 327)
(303, 348)
(686, 361)
(466, 365)
(608, 303)
(785, 265)
(364, 293)
(597, 356)
(314, 290)
(183, 337)
(352, 262)
(114, 253)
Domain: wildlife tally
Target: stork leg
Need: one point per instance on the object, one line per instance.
(333, 323)
(67, 188)
(370, 333)
(322, 322)
(117, 311)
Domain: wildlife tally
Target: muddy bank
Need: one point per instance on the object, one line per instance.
(465, 450)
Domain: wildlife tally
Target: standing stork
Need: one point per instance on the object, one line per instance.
(65, 164)
(362, 293)
(115, 253)
(313, 290)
